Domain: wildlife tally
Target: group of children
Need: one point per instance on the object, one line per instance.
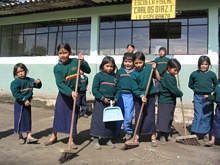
(125, 88)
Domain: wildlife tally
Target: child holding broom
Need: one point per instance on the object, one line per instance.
(216, 124)
(140, 77)
(202, 82)
(167, 99)
(105, 89)
(65, 73)
(22, 90)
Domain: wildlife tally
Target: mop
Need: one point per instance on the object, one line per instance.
(186, 139)
(133, 143)
(69, 153)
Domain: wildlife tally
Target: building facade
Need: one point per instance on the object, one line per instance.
(31, 30)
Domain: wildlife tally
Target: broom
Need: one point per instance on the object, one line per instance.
(68, 153)
(132, 143)
(186, 139)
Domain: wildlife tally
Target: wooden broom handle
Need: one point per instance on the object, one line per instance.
(142, 105)
(74, 104)
(181, 102)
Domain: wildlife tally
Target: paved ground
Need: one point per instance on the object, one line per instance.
(12, 153)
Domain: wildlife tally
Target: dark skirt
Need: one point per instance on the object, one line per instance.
(22, 118)
(98, 127)
(203, 115)
(147, 122)
(216, 123)
(165, 117)
(63, 114)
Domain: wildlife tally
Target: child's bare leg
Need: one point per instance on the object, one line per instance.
(212, 141)
(53, 136)
(20, 136)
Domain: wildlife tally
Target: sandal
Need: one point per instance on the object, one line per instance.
(153, 142)
(73, 146)
(50, 142)
(21, 141)
(209, 144)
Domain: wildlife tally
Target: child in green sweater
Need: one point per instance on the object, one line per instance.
(167, 99)
(22, 90)
(105, 89)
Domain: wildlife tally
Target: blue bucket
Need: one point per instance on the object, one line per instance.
(112, 114)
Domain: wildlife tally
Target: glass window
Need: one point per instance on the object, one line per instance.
(29, 45)
(17, 45)
(29, 28)
(42, 28)
(106, 42)
(7, 30)
(6, 46)
(197, 21)
(69, 27)
(178, 45)
(18, 29)
(70, 38)
(54, 40)
(83, 42)
(141, 39)
(140, 23)
(198, 39)
(121, 40)
(41, 45)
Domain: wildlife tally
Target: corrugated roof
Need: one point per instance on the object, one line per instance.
(33, 6)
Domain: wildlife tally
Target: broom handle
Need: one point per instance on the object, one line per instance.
(181, 102)
(142, 105)
(74, 105)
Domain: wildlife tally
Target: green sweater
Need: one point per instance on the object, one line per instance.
(105, 86)
(168, 89)
(140, 80)
(65, 75)
(125, 80)
(22, 89)
(84, 82)
(215, 97)
(161, 63)
(202, 82)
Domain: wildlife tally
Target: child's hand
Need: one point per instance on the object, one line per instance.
(113, 103)
(27, 103)
(107, 101)
(37, 81)
(144, 99)
(206, 96)
(74, 94)
(154, 65)
(81, 56)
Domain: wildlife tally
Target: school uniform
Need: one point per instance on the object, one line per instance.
(216, 123)
(81, 99)
(202, 83)
(167, 102)
(161, 65)
(65, 76)
(104, 86)
(126, 100)
(22, 90)
(139, 84)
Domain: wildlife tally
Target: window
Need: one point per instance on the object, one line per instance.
(42, 38)
(186, 34)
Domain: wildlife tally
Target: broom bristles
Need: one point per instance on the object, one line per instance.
(188, 140)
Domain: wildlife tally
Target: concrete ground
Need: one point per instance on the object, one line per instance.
(12, 153)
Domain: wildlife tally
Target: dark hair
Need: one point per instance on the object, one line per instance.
(202, 59)
(173, 63)
(128, 56)
(164, 49)
(131, 45)
(106, 60)
(64, 45)
(19, 65)
(139, 56)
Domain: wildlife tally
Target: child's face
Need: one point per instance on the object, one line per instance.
(162, 53)
(139, 64)
(63, 55)
(204, 66)
(128, 64)
(108, 67)
(130, 49)
(173, 71)
(21, 73)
